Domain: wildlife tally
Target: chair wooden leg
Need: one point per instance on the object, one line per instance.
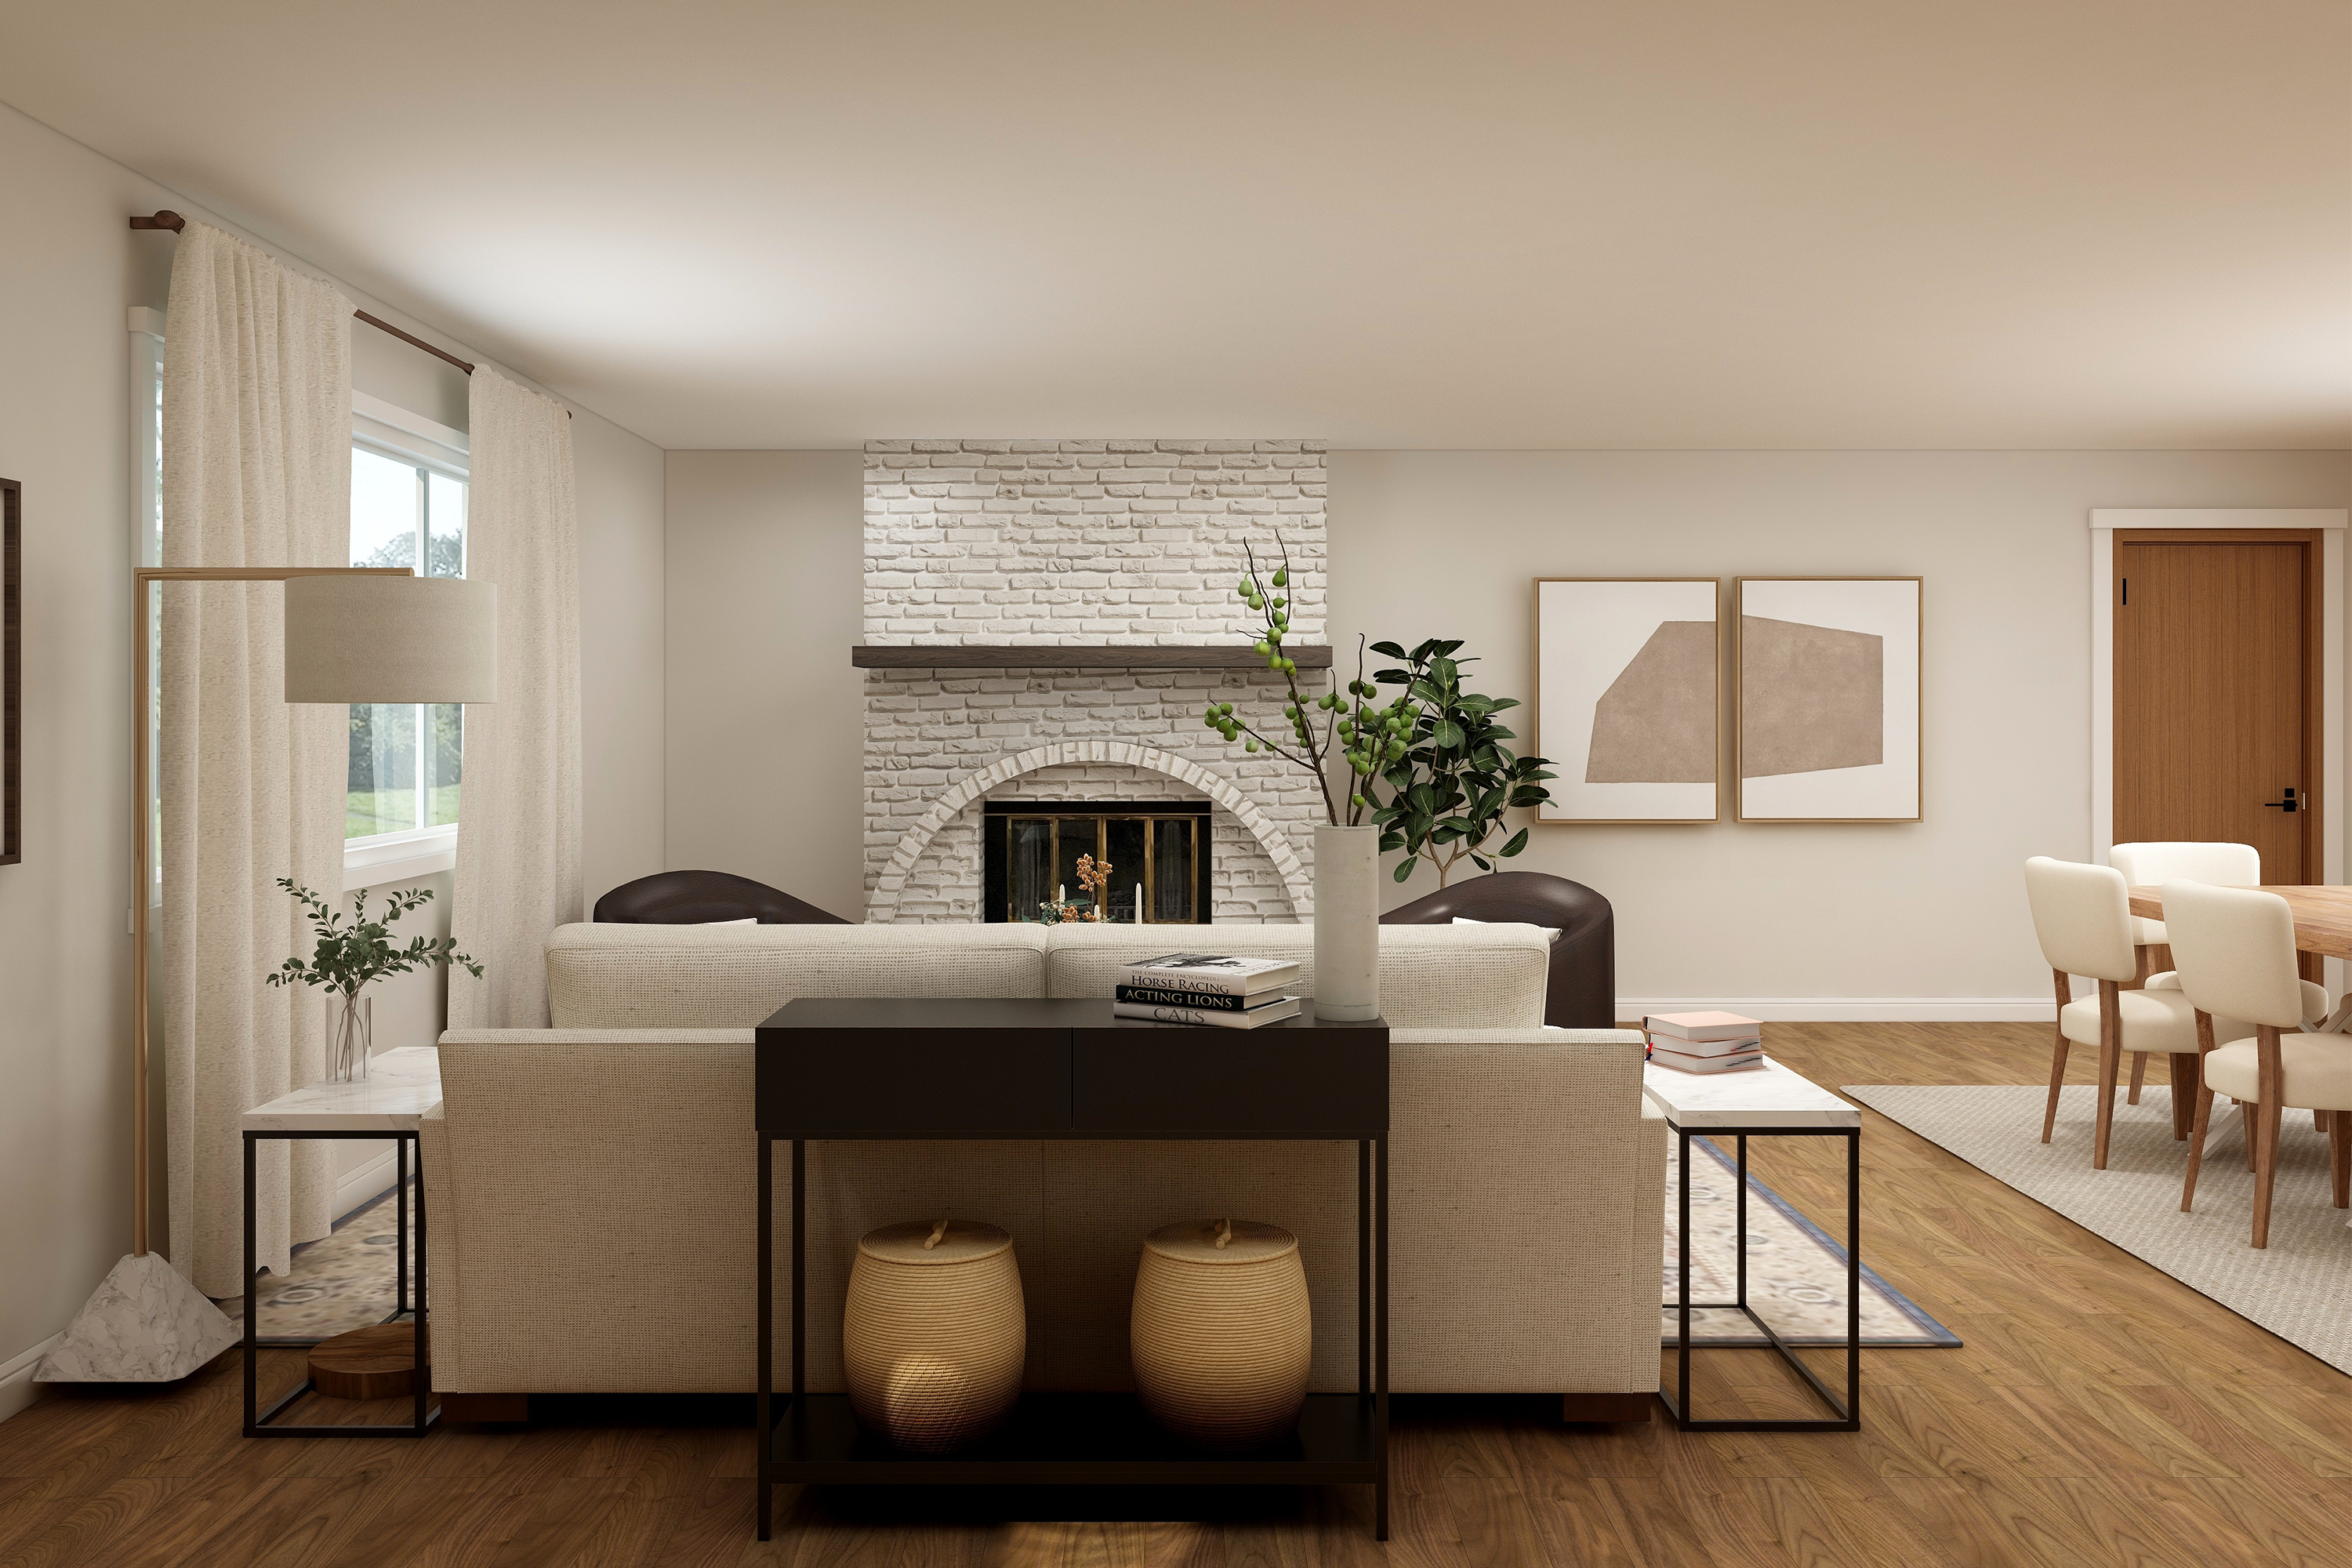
(2246, 1111)
(2139, 1077)
(2057, 1082)
(2204, 1117)
(2339, 1156)
(2266, 1129)
(2183, 1066)
(2110, 1050)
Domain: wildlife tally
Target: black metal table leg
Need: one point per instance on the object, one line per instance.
(265, 1423)
(252, 1307)
(762, 1417)
(400, 1226)
(1380, 1360)
(1364, 1267)
(1854, 1277)
(1682, 1291)
(1848, 1416)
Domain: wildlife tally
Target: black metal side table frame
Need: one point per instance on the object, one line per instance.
(1849, 1409)
(1096, 1082)
(263, 1423)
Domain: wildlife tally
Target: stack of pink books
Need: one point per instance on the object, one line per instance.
(1704, 1042)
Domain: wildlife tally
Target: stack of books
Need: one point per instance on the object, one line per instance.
(1206, 988)
(1704, 1042)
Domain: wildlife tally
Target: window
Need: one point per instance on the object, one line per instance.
(405, 758)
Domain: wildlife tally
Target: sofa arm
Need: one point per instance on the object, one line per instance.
(1528, 1211)
(438, 1183)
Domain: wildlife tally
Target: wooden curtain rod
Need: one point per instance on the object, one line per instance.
(169, 219)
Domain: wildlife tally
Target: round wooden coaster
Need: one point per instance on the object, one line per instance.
(378, 1363)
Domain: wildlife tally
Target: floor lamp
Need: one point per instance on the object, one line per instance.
(354, 634)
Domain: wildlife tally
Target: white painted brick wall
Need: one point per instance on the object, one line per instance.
(1077, 542)
(1085, 541)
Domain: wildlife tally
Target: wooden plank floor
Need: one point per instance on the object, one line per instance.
(2100, 1414)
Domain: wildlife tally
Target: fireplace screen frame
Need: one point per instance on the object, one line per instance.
(996, 855)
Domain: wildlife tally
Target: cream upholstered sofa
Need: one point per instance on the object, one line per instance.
(591, 1184)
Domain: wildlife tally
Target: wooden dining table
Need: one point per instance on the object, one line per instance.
(2322, 924)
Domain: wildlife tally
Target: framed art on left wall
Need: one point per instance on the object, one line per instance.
(12, 650)
(1626, 697)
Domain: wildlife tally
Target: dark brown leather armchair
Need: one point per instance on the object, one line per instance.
(1582, 994)
(699, 898)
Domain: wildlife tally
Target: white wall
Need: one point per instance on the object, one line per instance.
(1922, 919)
(68, 270)
(1743, 912)
(764, 744)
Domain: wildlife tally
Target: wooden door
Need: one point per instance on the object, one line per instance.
(2217, 689)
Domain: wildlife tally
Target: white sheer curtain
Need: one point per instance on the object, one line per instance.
(256, 472)
(519, 809)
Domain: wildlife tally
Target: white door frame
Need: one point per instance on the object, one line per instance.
(2105, 521)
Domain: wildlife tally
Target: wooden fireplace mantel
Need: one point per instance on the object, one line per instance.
(1062, 656)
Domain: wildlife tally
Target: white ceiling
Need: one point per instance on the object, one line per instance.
(1586, 223)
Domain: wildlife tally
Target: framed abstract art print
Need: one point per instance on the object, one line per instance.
(1626, 697)
(1828, 687)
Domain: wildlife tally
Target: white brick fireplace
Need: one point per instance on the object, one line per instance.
(1082, 545)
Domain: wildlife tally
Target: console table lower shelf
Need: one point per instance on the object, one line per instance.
(1080, 1439)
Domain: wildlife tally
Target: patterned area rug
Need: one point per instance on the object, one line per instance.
(346, 1280)
(2296, 1288)
(1796, 1272)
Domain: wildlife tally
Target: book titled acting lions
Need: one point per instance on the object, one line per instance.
(1209, 988)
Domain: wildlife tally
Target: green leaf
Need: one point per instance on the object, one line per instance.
(1447, 735)
(1390, 650)
(1404, 868)
(1518, 842)
(1502, 703)
(1392, 841)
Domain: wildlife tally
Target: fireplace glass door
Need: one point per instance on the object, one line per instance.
(1157, 852)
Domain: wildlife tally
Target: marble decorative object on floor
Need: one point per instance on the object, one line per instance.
(346, 1280)
(1795, 1274)
(145, 1323)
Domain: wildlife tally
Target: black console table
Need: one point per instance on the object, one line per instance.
(845, 1069)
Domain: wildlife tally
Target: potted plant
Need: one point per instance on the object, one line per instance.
(349, 958)
(1329, 730)
(1455, 778)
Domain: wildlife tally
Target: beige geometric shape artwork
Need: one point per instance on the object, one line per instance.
(1811, 697)
(1655, 724)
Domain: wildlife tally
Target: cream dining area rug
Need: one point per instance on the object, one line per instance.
(2296, 1288)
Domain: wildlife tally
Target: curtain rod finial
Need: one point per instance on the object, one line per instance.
(166, 219)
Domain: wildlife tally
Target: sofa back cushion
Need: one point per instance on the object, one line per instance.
(1434, 977)
(609, 976)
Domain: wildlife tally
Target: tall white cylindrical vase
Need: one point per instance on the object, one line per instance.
(1347, 923)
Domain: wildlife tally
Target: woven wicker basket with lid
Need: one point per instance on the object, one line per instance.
(1221, 1334)
(933, 1334)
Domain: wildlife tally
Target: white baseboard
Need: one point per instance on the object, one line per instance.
(17, 1388)
(356, 1188)
(1853, 1009)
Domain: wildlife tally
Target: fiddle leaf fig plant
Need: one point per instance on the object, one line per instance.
(1450, 784)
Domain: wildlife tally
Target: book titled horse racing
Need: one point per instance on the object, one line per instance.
(1209, 975)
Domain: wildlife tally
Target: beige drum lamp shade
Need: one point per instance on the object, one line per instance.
(391, 639)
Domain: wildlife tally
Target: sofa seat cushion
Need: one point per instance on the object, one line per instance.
(1435, 977)
(614, 976)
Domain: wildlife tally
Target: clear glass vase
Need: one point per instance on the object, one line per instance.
(350, 1029)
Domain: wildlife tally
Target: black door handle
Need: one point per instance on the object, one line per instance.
(2286, 805)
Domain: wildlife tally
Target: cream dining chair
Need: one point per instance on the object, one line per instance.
(2151, 865)
(2234, 953)
(2083, 920)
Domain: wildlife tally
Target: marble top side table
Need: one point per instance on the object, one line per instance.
(1764, 1100)
(401, 1087)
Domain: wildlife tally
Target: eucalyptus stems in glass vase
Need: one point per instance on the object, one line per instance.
(348, 958)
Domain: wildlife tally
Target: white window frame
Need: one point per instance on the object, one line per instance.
(396, 433)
